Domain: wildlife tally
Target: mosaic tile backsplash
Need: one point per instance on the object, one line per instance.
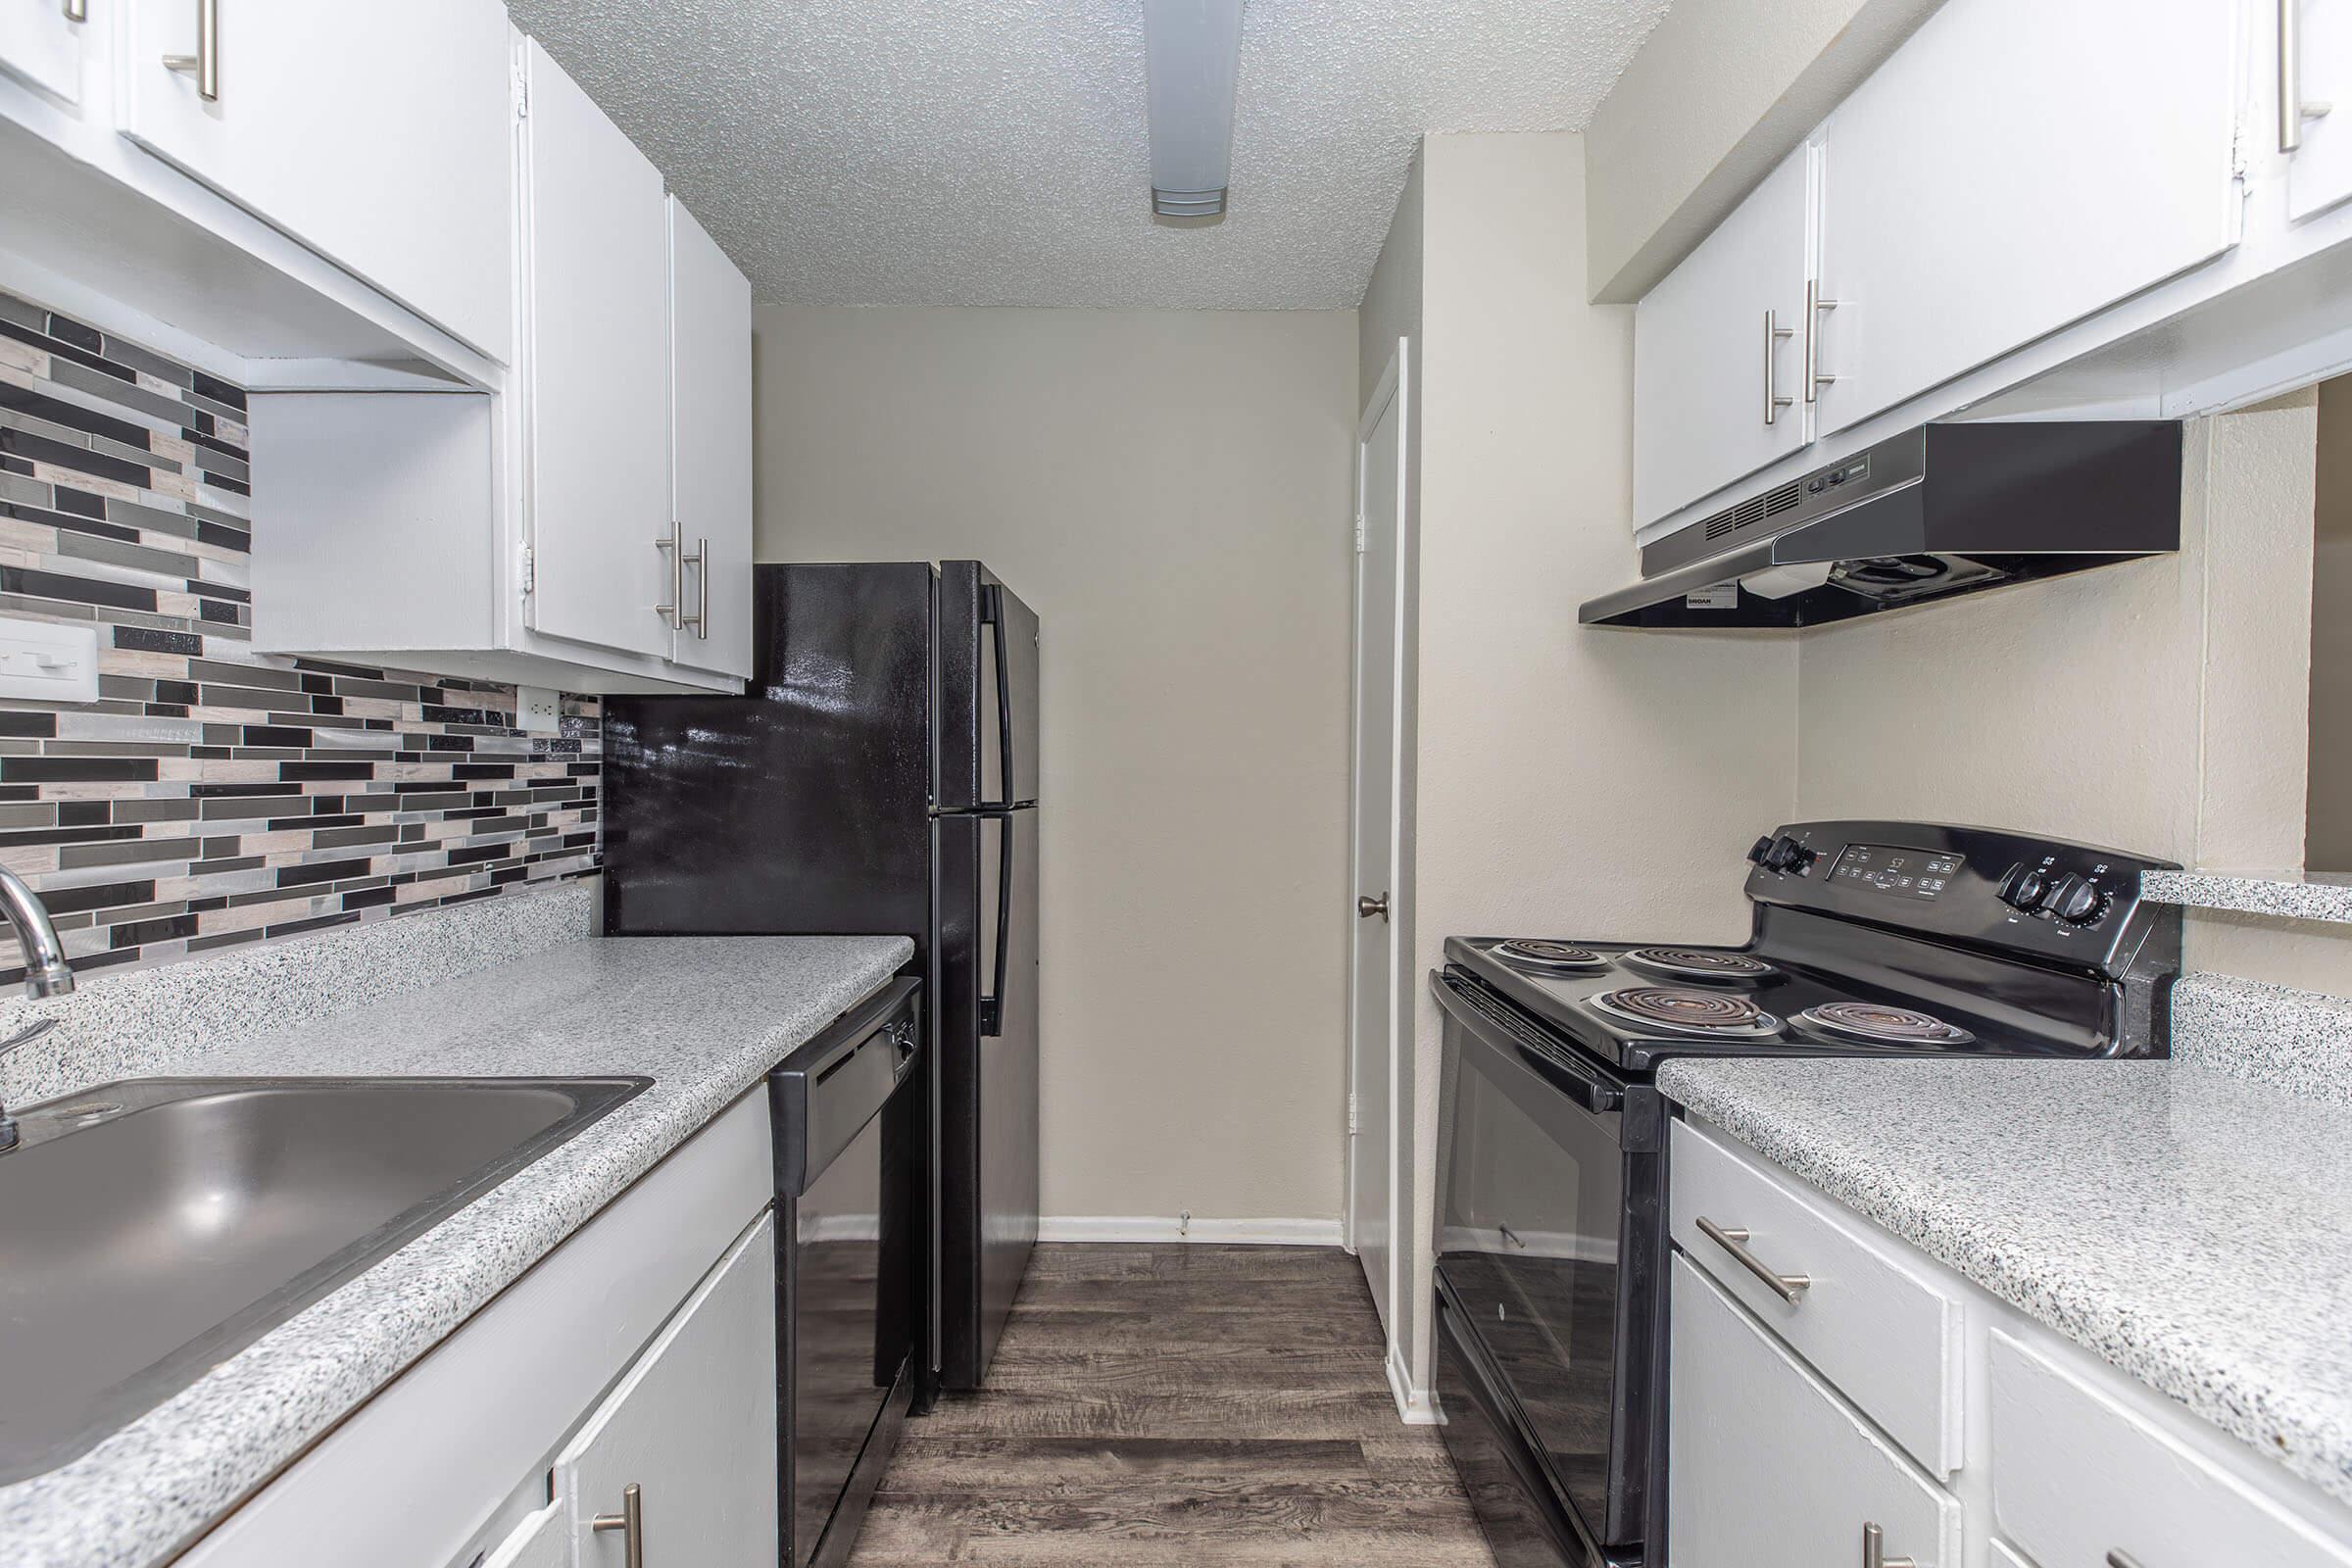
(214, 794)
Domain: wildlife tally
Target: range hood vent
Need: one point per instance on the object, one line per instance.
(1939, 510)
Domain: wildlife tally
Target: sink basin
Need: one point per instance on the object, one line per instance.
(151, 1229)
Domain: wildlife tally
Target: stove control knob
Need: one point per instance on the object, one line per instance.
(2076, 900)
(1757, 850)
(2026, 892)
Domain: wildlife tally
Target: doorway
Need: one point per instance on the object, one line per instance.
(1375, 1194)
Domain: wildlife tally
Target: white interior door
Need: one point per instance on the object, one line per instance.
(1373, 1025)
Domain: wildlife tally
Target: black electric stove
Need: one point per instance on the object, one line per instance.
(1868, 939)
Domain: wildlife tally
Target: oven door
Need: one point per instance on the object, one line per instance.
(1550, 1238)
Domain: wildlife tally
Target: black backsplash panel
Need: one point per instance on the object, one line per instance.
(214, 794)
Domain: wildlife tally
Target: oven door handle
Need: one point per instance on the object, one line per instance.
(1576, 1080)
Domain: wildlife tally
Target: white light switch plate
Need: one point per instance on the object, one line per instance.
(538, 709)
(46, 662)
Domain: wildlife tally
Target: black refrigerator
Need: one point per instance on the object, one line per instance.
(880, 777)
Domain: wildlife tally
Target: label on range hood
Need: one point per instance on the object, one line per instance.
(1717, 596)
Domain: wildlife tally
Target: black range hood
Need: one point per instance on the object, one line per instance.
(1935, 512)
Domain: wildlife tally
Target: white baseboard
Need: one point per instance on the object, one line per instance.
(1170, 1228)
(1415, 1407)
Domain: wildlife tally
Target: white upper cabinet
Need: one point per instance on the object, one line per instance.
(42, 42)
(1720, 350)
(711, 447)
(596, 363)
(2015, 166)
(2316, 63)
(374, 132)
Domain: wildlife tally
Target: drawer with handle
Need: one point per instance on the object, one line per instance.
(1844, 1298)
(1768, 1468)
(2081, 1482)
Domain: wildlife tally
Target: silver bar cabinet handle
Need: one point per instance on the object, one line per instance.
(205, 64)
(2119, 1559)
(701, 589)
(700, 559)
(1774, 336)
(673, 611)
(630, 1522)
(2293, 107)
(1873, 1551)
(77, 10)
(1733, 1240)
(1814, 306)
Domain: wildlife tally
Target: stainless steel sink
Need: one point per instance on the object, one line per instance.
(151, 1229)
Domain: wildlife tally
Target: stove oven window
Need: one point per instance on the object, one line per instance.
(1530, 1198)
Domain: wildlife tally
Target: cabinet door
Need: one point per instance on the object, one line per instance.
(693, 1428)
(1768, 1467)
(1719, 349)
(2079, 1480)
(543, 1540)
(597, 362)
(374, 131)
(711, 443)
(2320, 174)
(41, 43)
(2015, 166)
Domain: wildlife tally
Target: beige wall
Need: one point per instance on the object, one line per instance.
(1567, 780)
(2156, 706)
(1170, 491)
(1718, 94)
(2329, 845)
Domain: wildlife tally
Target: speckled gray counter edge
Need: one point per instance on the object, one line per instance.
(117, 1025)
(145, 1493)
(2290, 898)
(2296, 1041)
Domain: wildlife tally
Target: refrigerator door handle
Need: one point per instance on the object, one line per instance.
(992, 614)
(991, 1001)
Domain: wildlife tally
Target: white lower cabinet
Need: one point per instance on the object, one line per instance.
(683, 1454)
(641, 1352)
(1769, 1467)
(1795, 1425)
(543, 1540)
(2079, 1482)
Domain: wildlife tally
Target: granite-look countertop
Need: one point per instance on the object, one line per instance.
(2191, 1227)
(705, 1017)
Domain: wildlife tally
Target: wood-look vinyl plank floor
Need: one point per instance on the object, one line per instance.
(1177, 1406)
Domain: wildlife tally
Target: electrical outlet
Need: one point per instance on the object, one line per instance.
(538, 708)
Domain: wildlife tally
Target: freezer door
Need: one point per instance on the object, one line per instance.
(988, 698)
(986, 1056)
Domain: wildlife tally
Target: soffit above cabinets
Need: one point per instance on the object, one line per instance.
(968, 152)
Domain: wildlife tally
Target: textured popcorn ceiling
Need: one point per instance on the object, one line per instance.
(994, 152)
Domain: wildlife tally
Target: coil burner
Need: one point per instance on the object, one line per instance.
(1880, 1025)
(1534, 953)
(1696, 964)
(1692, 1012)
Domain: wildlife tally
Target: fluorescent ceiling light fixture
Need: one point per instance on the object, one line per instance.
(1192, 55)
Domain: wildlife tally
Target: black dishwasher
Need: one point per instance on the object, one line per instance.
(849, 1139)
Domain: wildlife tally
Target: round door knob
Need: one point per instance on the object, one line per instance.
(1366, 907)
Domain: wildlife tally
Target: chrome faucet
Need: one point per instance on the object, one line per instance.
(45, 972)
